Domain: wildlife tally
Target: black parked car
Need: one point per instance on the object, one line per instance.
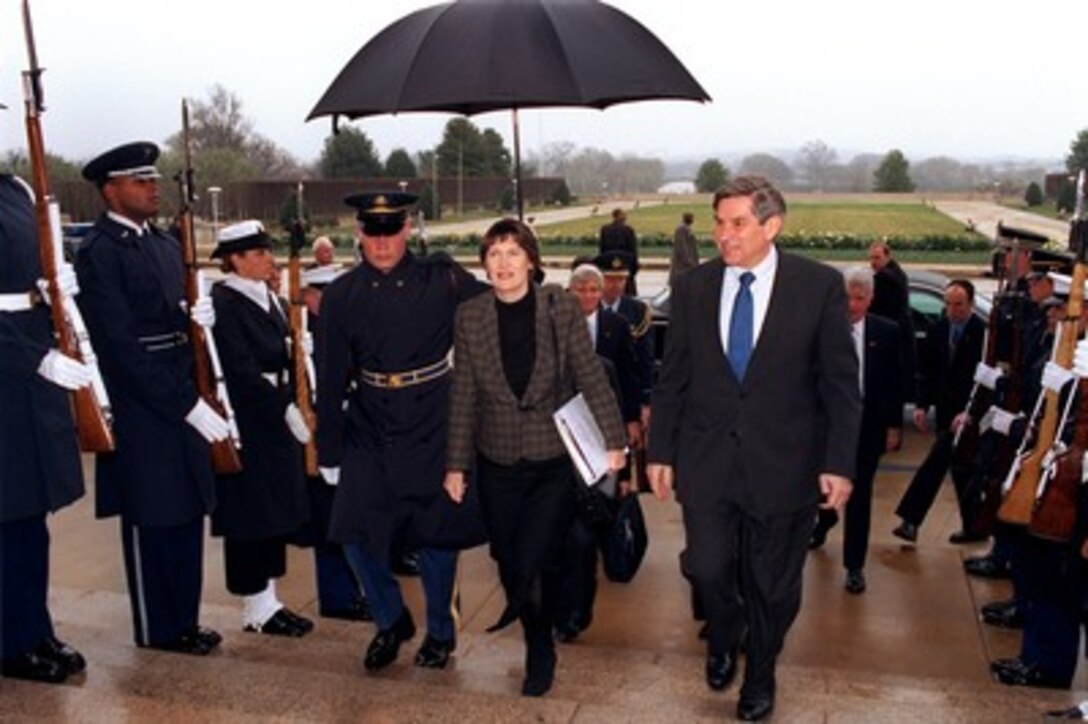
(926, 306)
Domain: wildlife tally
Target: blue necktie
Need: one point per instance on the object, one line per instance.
(741, 325)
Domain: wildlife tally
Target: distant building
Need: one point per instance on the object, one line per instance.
(677, 187)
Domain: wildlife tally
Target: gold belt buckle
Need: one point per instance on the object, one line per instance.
(395, 380)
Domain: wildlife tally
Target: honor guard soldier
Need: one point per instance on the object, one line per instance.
(384, 341)
(617, 266)
(261, 506)
(39, 458)
(159, 478)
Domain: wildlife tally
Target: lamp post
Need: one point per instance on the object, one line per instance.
(214, 192)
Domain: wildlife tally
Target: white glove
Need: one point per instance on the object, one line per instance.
(67, 283)
(987, 376)
(1002, 420)
(1080, 358)
(308, 344)
(330, 475)
(203, 312)
(1055, 377)
(208, 422)
(63, 371)
(297, 423)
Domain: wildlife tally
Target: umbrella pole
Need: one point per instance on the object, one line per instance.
(517, 166)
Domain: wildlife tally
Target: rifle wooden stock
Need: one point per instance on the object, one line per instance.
(1055, 512)
(225, 457)
(298, 353)
(303, 399)
(92, 415)
(1019, 501)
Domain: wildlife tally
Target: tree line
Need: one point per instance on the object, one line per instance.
(230, 149)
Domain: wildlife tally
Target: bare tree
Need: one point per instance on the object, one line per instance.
(815, 161)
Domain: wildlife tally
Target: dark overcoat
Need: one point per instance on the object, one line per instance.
(39, 456)
(133, 289)
(390, 443)
(268, 498)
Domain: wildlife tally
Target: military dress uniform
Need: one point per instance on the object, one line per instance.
(259, 507)
(159, 478)
(39, 457)
(384, 353)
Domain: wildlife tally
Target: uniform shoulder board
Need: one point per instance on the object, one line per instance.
(640, 329)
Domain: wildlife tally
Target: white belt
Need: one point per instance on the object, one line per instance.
(18, 302)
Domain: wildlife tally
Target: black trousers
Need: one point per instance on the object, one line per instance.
(164, 566)
(731, 549)
(24, 582)
(527, 509)
(574, 577)
(923, 488)
(859, 511)
(1052, 596)
(250, 564)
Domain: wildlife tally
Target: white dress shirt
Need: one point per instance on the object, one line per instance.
(859, 350)
(593, 323)
(760, 287)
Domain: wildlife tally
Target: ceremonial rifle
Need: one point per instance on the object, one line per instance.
(91, 404)
(1019, 501)
(1055, 511)
(213, 390)
(298, 332)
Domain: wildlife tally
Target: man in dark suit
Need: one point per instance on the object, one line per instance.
(619, 236)
(891, 300)
(947, 378)
(39, 458)
(576, 575)
(876, 341)
(159, 479)
(756, 418)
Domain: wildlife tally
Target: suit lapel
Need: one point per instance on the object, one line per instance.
(543, 378)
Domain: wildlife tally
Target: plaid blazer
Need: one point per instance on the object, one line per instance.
(486, 417)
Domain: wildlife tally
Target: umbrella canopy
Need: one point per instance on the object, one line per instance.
(474, 56)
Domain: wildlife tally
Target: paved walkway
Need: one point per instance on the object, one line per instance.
(985, 215)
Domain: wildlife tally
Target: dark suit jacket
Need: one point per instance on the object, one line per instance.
(614, 344)
(764, 442)
(947, 379)
(885, 394)
(484, 414)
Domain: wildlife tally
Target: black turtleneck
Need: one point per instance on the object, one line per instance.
(517, 340)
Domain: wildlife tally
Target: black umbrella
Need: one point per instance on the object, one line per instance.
(474, 56)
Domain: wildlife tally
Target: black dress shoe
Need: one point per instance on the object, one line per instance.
(754, 708)
(818, 537)
(34, 667)
(961, 537)
(855, 581)
(358, 611)
(721, 669)
(539, 671)
(299, 621)
(210, 637)
(384, 648)
(55, 649)
(1074, 713)
(435, 653)
(1003, 614)
(987, 567)
(278, 624)
(906, 531)
(1015, 672)
(191, 642)
(567, 631)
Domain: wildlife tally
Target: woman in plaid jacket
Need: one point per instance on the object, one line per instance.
(520, 353)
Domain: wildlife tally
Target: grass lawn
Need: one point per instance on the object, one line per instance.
(859, 218)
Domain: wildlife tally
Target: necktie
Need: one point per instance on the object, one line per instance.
(741, 325)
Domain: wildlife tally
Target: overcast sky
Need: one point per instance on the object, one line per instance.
(970, 79)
